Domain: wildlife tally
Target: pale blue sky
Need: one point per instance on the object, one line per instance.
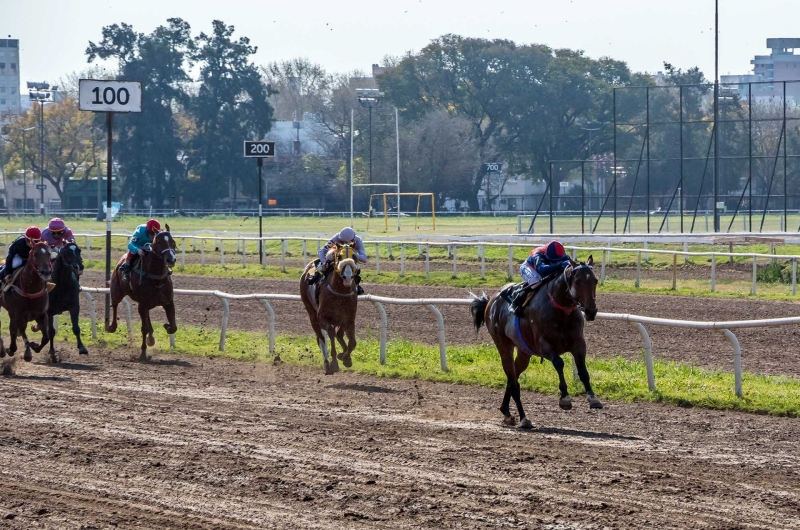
(344, 35)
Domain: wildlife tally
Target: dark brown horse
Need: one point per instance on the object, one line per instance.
(335, 308)
(27, 301)
(552, 324)
(150, 286)
(67, 270)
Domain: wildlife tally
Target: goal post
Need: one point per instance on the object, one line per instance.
(385, 196)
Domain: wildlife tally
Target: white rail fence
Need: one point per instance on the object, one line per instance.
(431, 304)
(452, 247)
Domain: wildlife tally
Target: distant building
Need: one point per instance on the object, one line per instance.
(10, 101)
(517, 194)
(769, 73)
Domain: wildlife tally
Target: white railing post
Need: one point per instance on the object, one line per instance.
(389, 250)
(510, 262)
(222, 252)
(455, 261)
(377, 258)
(171, 340)
(271, 327)
(283, 255)
(685, 249)
(88, 246)
(202, 252)
(602, 267)
(755, 275)
(183, 252)
(713, 272)
(384, 330)
(226, 312)
(647, 345)
(305, 252)
(440, 326)
(646, 254)
(427, 260)
(244, 254)
(638, 268)
(794, 276)
(402, 260)
(482, 253)
(128, 320)
(737, 361)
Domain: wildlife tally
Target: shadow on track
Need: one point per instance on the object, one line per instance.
(363, 388)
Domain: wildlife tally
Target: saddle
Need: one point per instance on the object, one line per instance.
(512, 291)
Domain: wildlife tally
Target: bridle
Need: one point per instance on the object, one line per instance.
(568, 279)
(76, 264)
(168, 249)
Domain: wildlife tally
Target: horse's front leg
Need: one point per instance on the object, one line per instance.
(579, 358)
(147, 331)
(28, 356)
(42, 324)
(565, 401)
(171, 326)
(333, 367)
(13, 331)
(76, 328)
(350, 330)
(52, 330)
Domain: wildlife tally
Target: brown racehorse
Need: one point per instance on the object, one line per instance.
(27, 301)
(551, 325)
(336, 310)
(150, 285)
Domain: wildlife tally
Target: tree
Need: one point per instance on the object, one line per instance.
(151, 147)
(300, 86)
(231, 106)
(73, 146)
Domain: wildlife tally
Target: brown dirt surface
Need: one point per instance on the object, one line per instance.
(764, 350)
(197, 443)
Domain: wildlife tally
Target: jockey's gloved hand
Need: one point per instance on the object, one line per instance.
(140, 252)
(565, 264)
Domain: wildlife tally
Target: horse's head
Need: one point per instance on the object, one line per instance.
(164, 247)
(70, 254)
(583, 286)
(39, 260)
(347, 269)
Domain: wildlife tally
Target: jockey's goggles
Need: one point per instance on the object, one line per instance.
(57, 232)
(34, 241)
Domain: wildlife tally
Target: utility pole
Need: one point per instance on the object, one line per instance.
(716, 115)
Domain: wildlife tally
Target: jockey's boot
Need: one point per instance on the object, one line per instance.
(357, 278)
(6, 281)
(126, 268)
(314, 278)
(518, 301)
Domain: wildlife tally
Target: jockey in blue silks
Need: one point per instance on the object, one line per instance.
(346, 236)
(542, 262)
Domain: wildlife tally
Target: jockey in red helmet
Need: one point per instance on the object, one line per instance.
(19, 251)
(57, 234)
(542, 262)
(143, 235)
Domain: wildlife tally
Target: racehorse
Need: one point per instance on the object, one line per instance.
(65, 296)
(27, 301)
(551, 325)
(150, 285)
(334, 307)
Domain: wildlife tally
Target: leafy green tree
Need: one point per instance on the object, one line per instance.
(150, 150)
(231, 106)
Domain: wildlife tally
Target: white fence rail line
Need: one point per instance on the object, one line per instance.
(431, 304)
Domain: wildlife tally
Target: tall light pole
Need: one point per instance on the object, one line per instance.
(716, 114)
(25, 172)
(42, 93)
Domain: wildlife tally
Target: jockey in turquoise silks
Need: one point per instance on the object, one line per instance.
(142, 236)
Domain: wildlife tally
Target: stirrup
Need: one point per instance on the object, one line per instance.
(126, 276)
(359, 290)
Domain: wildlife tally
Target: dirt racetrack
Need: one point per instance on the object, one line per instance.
(190, 442)
(764, 350)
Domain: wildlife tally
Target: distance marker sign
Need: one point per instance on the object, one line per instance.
(110, 96)
(259, 149)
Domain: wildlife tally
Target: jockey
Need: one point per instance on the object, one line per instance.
(57, 234)
(143, 235)
(19, 251)
(541, 262)
(346, 236)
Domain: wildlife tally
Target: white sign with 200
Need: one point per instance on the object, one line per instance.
(110, 96)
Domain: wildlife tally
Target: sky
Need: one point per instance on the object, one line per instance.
(345, 35)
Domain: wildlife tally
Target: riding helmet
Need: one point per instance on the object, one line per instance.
(56, 225)
(33, 232)
(347, 234)
(153, 226)
(555, 251)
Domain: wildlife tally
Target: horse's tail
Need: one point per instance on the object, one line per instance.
(478, 308)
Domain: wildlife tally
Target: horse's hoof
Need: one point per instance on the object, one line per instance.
(565, 403)
(8, 369)
(83, 351)
(35, 328)
(150, 341)
(594, 403)
(347, 361)
(53, 359)
(510, 421)
(28, 356)
(2, 353)
(525, 424)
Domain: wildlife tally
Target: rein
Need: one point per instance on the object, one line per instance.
(570, 308)
(21, 291)
(144, 274)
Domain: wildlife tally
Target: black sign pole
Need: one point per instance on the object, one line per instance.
(110, 127)
(260, 203)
